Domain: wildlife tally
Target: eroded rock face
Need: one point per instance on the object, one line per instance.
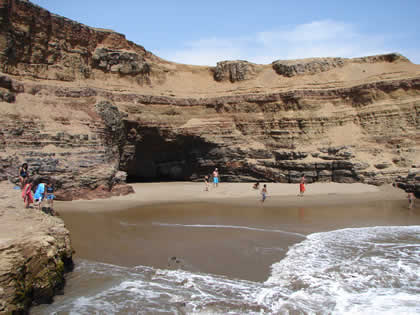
(115, 61)
(36, 43)
(234, 71)
(252, 124)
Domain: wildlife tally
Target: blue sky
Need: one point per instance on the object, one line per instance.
(205, 32)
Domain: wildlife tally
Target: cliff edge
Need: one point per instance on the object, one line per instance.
(95, 111)
(35, 253)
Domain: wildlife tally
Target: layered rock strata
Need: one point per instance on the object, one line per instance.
(35, 254)
(93, 110)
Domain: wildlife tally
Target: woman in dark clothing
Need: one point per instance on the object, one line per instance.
(23, 174)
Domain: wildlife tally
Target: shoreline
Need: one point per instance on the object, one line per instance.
(227, 224)
(279, 195)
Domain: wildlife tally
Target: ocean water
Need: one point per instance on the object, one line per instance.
(365, 270)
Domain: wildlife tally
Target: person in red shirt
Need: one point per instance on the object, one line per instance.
(302, 186)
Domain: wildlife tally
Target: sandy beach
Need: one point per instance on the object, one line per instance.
(238, 193)
(227, 223)
(170, 238)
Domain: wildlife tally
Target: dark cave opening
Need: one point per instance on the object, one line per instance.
(159, 157)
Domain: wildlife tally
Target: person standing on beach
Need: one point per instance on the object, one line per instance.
(215, 177)
(263, 193)
(50, 194)
(23, 174)
(27, 194)
(40, 193)
(302, 185)
(411, 198)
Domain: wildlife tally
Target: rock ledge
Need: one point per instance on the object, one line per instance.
(35, 254)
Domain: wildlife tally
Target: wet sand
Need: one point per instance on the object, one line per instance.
(224, 231)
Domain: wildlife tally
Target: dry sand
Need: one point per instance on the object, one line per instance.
(279, 194)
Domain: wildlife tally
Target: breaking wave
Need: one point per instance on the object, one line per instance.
(351, 271)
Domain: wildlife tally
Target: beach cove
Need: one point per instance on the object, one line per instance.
(136, 251)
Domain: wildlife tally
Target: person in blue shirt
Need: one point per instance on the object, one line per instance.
(39, 195)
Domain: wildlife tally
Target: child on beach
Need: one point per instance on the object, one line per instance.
(302, 186)
(206, 183)
(27, 194)
(215, 177)
(263, 193)
(411, 198)
(50, 195)
(256, 185)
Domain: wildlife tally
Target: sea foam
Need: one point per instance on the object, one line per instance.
(351, 271)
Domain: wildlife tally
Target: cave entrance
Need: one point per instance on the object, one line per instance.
(161, 158)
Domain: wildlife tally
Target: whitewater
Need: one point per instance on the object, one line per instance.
(372, 270)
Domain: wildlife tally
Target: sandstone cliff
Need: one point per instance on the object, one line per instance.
(93, 110)
(35, 253)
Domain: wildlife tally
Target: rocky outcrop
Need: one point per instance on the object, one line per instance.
(78, 162)
(411, 182)
(290, 68)
(122, 63)
(392, 57)
(234, 71)
(38, 44)
(35, 254)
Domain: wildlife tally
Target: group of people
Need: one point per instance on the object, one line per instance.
(256, 186)
(35, 190)
(44, 190)
(264, 191)
(215, 176)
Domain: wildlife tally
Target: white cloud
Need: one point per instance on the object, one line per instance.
(310, 32)
(326, 38)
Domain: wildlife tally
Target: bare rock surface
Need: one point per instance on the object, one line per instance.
(35, 253)
(290, 68)
(411, 182)
(234, 71)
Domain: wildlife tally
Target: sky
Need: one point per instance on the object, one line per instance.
(206, 32)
